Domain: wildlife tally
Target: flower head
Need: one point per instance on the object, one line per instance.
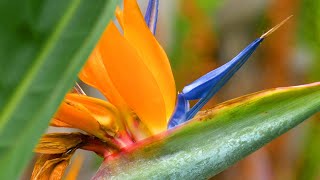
(130, 68)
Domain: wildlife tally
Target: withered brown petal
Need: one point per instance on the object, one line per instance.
(50, 166)
(41, 160)
(59, 170)
(58, 143)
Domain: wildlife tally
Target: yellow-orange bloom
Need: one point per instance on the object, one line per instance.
(92, 115)
(132, 70)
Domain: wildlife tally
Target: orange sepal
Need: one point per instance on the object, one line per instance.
(77, 116)
(94, 74)
(133, 70)
(137, 33)
(119, 16)
(75, 168)
(57, 123)
(133, 79)
(91, 115)
(104, 112)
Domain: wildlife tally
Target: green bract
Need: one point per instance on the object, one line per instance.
(217, 138)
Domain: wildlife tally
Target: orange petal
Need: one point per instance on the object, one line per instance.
(105, 113)
(133, 79)
(75, 168)
(119, 16)
(88, 114)
(57, 123)
(153, 56)
(77, 116)
(95, 75)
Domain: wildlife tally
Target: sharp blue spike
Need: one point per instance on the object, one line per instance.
(151, 16)
(208, 85)
(179, 115)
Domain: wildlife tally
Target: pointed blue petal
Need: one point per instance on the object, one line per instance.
(206, 86)
(179, 115)
(151, 16)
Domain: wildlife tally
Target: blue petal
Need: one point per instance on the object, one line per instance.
(151, 16)
(179, 115)
(206, 86)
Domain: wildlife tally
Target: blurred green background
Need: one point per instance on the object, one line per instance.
(200, 35)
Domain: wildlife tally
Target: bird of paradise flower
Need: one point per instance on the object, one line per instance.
(130, 68)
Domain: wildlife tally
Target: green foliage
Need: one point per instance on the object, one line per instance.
(217, 138)
(309, 33)
(43, 45)
(309, 163)
(182, 30)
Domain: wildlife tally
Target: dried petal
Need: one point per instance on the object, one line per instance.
(58, 143)
(58, 171)
(50, 166)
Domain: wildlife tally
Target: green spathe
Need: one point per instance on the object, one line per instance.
(217, 138)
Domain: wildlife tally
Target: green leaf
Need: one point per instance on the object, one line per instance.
(216, 138)
(308, 31)
(309, 166)
(43, 45)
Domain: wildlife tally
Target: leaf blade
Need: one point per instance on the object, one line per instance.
(215, 140)
(45, 68)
